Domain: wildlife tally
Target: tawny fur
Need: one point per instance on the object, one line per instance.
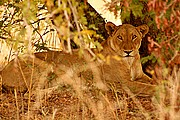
(121, 69)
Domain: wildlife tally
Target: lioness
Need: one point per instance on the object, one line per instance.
(123, 68)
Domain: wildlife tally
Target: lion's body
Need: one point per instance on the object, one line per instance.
(122, 66)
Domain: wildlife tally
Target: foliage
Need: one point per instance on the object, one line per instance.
(167, 20)
(20, 23)
(36, 24)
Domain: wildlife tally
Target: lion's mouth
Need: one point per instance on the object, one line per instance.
(128, 56)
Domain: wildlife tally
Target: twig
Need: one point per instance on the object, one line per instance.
(74, 11)
(38, 33)
(10, 53)
(69, 24)
(17, 106)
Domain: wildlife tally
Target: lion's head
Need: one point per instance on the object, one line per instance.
(125, 39)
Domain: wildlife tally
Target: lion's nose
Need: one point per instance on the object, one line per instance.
(128, 51)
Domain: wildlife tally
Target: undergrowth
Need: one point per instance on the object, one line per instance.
(35, 26)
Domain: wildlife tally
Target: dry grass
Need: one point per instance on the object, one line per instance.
(167, 101)
(72, 98)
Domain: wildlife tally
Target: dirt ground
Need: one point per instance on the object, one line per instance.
(66, 104)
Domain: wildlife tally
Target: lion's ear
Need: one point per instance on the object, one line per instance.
(110, 27)
(143, 29)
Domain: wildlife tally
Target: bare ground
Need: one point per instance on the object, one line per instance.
(64, 103)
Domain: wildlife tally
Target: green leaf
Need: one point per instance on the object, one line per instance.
(168, 13)
(125, 15)
(147, 58)
(136, 9)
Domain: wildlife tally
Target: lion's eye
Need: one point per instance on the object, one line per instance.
(134, 37)
(119, 37)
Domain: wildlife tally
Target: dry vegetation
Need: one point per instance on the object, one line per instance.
(73, 100)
